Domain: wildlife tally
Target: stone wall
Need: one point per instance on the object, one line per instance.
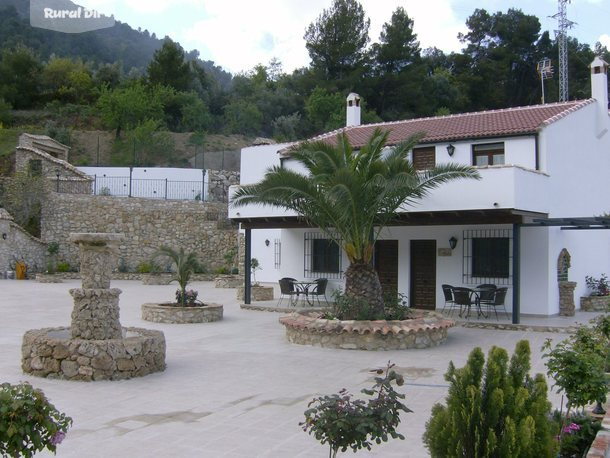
(146, 223)
(219, 182)
(17, 245)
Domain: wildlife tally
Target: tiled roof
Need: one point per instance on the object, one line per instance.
(496, 123)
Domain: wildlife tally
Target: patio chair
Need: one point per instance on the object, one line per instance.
(319, 290)
(463, 298)
(486, 293)
(287, 290)
(498, 301)
(449, 301)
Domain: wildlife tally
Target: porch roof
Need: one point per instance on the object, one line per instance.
(439, 218)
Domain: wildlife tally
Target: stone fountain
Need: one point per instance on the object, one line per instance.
(95, 346)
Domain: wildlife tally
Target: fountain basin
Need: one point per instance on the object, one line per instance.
(53, 353)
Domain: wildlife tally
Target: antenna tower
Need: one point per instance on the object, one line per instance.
(562, 41)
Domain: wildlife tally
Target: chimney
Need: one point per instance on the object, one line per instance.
(599, 91)
(353, 110)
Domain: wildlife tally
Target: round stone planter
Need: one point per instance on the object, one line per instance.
(53, 353)
(595, 303)
(170, 313)
(424, 330)
(257, 293)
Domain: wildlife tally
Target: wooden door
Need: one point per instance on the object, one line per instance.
(423, 274)
(386, 265)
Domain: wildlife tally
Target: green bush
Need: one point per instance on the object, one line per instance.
(577, 365)
(575, 433)
(494, 409)
(63, 266)
(29, 423)
(221, 271)
(148, 267)
(346, 308)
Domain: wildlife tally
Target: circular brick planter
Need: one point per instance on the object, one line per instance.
(228, 281)
(157, 279)
(424, 330)
(53, 353)
(48, 278)
(170, 313)
(257, 293)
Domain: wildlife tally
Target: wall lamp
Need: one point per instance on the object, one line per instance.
(453, 242)
(4, 236)
(267, 242)
(450, 149)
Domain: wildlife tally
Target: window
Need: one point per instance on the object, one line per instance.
(490, 257)
(322, 256)
(35, 167)
(424, 158)
(487, 256)
(488, 154)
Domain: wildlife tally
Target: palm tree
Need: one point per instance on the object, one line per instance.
(185, 264)
(351, 195)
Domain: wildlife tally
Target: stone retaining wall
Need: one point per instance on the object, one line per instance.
(159, 313)
(146, 223)
(228, 281)
(257, 293)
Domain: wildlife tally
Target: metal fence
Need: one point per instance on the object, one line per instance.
(137, 187)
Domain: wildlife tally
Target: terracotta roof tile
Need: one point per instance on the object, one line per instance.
(495, 123)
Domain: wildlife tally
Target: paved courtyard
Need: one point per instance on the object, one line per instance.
(234, 388)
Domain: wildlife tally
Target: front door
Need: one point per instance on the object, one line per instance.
(423, 274)
(386, 265)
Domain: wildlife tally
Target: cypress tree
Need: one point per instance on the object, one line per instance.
(494, 409)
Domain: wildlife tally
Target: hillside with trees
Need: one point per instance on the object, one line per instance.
(145, 90)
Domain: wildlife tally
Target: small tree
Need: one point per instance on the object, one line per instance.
(254, 266)
(185, 264)
(52, 250)
(342, 423)
(493, 409)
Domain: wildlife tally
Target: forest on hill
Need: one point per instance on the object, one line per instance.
(142, 88)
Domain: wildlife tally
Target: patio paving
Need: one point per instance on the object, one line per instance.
(234, 388)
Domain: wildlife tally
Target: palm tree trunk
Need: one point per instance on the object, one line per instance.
(362, 282)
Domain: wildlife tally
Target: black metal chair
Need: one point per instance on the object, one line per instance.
(497, 301)
(287, 290)
(319, 290)
(463, 298)
(449, 300)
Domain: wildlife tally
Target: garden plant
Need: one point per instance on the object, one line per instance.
(493, 409)
(351, 195)
(343, 422)
(185, 265)
(29, 423)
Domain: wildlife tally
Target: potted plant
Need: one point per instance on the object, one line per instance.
(599, 297)
(257, 291)
(186, 308)
(29, 423)
(151, 273)
(228, 275)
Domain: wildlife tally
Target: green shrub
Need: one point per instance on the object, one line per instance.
(576, 433)
(63, 266)
(29, 423)
(342, 422)
(346, 308)
(493, 409)
(221, 271)
(577, 365)
(148, 267)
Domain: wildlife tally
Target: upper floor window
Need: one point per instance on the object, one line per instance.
(488, 154)
(424, 158)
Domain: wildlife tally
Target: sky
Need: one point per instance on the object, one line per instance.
(240, 34)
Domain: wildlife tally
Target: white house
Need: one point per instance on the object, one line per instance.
(544, 173)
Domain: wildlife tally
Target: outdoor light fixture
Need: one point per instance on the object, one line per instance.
(450, 149)
(267, 242)
(4, 236)
(453, 243)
